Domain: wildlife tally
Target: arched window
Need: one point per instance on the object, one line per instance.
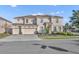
(41, 29)
(41, 21)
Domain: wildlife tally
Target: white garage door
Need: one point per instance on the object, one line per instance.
(15, 31)
(28, 31)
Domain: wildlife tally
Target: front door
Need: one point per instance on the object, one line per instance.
(20, 30)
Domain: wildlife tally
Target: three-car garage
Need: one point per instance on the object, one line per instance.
(28, 29)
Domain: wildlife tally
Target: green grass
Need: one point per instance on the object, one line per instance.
(57, 37)
(2, 35)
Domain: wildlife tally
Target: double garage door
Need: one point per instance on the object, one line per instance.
(24, 31)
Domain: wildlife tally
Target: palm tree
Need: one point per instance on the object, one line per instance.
(75, 18)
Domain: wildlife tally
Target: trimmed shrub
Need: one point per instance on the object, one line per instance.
(69, 34)
(62, 33)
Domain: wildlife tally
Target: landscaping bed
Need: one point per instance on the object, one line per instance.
(2, 35)
(59, 36)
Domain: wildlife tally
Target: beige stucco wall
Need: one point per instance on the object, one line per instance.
(20, 20)
(2, 30)
(57, 25)
(28, 31)
(4, 24)
(29, 20)
(45, 19)
(54, 24)
(24, 29)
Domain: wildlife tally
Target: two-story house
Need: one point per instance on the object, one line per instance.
(31, 23)
(5, 25)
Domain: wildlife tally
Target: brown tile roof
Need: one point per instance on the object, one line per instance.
(38, 16)
(57, 16)
(23, 24)
(5, 19)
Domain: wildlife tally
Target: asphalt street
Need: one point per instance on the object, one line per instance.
(40, 47)
(31, 44)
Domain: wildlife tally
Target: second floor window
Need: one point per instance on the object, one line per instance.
(57, 20)
(17, 19)
(26, 20)
(34, 21)
(41, 21)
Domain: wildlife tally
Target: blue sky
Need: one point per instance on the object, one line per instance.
(11, 11)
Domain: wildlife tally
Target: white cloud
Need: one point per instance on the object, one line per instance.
(51, 13)
(13, 5)
(59, 12)
(38, 14)
(56, 13)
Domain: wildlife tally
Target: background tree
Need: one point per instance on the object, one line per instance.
(66, 27)
(74, 19)
(6, 27)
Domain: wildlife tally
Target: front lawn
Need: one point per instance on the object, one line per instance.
(2, 35)
(57, 37)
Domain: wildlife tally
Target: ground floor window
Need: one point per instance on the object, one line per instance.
(55, 29)
(60, 28)
(41, 30)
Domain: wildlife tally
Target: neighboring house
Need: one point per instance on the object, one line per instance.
(5, 25)
(31, 23)
(74, 29)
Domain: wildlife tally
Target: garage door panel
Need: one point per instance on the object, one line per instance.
(15, 31)
(28, 31)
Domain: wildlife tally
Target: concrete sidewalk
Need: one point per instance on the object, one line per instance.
(20, 38)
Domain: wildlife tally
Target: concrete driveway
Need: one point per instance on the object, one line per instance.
(29, 37)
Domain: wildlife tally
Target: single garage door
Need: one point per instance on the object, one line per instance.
(28, 31)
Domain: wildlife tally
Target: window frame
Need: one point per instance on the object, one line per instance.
(41, 20)
(26, 21)
(57, 20)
